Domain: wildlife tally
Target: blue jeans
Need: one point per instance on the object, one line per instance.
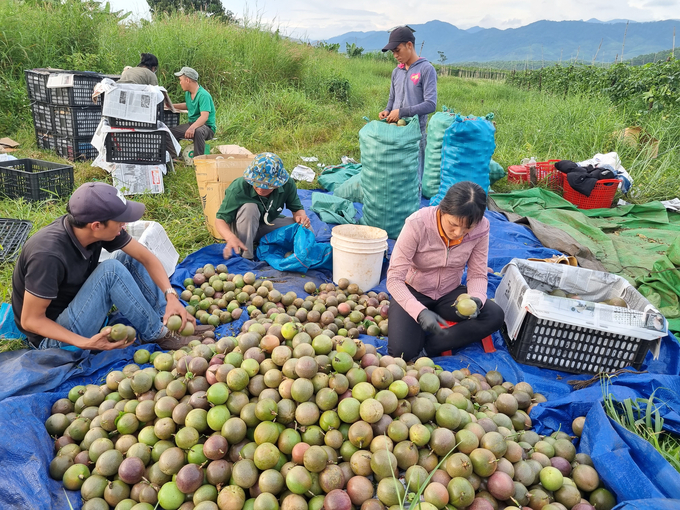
(120, 281)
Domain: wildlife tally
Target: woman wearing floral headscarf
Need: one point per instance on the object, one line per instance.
(253, 204)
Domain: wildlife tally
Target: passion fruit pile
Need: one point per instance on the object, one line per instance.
(613, 301)
(265, 422)
(215, 297)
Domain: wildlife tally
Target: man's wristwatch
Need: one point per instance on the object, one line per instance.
(170, 291)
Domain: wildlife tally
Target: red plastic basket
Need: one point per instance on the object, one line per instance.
(546, 173)
(601, 197)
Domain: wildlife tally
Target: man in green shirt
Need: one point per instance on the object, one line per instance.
(252, 205)
(199, 104)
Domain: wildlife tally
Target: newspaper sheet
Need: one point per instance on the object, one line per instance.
(526, 284)
(138, 179)
(107, 86)
(129, 104)
(57, 81)
(152, 235)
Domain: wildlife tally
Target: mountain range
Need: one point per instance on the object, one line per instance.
(542, 40)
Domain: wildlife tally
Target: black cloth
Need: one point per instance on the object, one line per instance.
(583, 179)
(407, 338)
(54, 265)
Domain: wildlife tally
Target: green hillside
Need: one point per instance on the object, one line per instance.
(654, 57)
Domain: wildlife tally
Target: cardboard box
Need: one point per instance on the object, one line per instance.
(233, 149)
(221, 167)
(211, 200)
(214, 174)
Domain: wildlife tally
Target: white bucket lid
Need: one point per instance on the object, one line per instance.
(359, 233)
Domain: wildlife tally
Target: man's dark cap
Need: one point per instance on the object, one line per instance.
(98, 201)
(399, 35)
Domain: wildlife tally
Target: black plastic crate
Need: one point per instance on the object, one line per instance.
(75, 149)
(45, 140)
(76, 122)
(170, 119)
(35, 180)
(575, 349)
(13, 235)
(36, 83)
(133, 124)
(43, 116)
(81, 92)
(136, 147)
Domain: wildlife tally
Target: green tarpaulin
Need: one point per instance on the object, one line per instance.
(332, 209)
(335, 175)
(637, 242)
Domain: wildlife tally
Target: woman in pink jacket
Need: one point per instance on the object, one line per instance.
(425, 276)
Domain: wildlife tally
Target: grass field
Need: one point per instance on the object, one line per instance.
(295, 100)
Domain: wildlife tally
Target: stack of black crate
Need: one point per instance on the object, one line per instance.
(139, 143)
(142, 143)
(65, 118)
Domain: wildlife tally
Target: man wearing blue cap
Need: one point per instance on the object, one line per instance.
(61, 294)
(253, 203)
(199, 103)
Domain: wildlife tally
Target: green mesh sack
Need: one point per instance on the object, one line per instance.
(350, 189)
(389, 174)
(433, 150)
(496, 172)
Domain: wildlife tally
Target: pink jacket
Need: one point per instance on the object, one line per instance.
(420, 259)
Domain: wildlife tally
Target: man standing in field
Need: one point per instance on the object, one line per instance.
(413, 90)
(199, 103)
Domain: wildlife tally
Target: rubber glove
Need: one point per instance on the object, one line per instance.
(431, 322)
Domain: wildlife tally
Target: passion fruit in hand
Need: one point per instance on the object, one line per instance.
(118, 332)
(466, 307)
(174, 322)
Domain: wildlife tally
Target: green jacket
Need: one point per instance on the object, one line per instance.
(240, 192)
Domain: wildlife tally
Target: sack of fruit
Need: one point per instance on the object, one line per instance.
(389, 174)
(433, 150)
(466, 153)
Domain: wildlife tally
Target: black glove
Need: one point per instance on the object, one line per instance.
(478, 302)
(431, 322)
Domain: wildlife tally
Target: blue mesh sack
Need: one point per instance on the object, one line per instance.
(466, 153)
(433, 150)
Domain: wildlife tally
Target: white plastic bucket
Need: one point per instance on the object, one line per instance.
(358, 253)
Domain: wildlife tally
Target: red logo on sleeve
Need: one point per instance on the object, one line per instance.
(415, 78)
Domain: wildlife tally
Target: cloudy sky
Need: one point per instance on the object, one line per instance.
(321, 19)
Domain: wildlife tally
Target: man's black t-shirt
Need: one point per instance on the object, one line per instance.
(54, 265)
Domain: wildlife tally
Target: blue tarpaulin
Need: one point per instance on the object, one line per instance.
(33, 380)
